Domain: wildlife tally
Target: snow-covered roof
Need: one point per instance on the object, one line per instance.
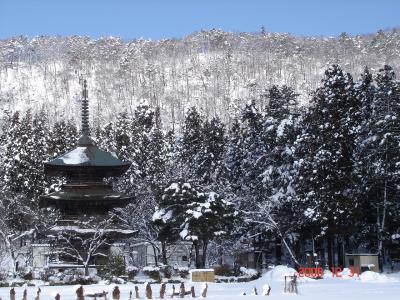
(77, 229)
(88, 155)
(201, 270)
(361, 254)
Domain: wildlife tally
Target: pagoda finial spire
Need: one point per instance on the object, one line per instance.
(85, 130)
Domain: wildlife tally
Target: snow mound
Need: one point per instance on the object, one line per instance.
(278, 274)
(369, 276)
(327, 274)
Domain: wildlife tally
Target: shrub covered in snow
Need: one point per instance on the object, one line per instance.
(114, 267)
(166, 271)
(224, 270)
(153, 272)
(248, 272)
(183, 272)
(132, 271)
(72, 277)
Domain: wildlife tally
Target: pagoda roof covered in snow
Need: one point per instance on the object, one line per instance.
(86, 159)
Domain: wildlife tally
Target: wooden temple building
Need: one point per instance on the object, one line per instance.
(83, 202)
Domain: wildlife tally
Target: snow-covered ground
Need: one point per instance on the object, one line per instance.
(367, 286)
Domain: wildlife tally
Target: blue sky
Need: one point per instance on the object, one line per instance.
(157, 19)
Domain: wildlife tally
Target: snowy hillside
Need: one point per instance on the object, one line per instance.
(214, 70)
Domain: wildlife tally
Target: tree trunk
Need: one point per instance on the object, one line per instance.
(155, 253)
(197, 254)
(164, 253)
(86, 269)
(204, 256)
(278, 251)
(381, 226)
(220, 253)
(339, 249)
(331, 254)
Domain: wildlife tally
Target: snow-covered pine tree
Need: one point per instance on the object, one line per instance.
(378, 156)
(172, 202)
(364, 90)
(191, 143)
(156, 158)
(26, 150)
(17, 137)
(280, 129)
(205, 219)
(234, 157)
(210, 155)
(125, 149)
(325, 182)
(62, 138)
(254, 148)
(39, 154)
(105, 138)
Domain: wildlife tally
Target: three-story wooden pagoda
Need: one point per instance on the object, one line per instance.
(85, 196)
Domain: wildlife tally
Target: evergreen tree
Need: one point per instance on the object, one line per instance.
(63, 137)
(169, 212)
(325, 182)
(255, 150)
(234, 157)
(378, 157)
(205, 219)
(191, 144)
(210, 155)
(26, 151)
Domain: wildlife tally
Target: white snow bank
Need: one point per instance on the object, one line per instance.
(370, 276)
(278, 274)
(327, 274)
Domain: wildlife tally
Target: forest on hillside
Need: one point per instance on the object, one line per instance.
(217, 72)
(273, 177)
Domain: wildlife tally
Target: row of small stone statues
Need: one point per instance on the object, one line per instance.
(116, 293)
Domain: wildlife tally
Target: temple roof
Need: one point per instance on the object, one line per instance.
(85, 198)
(88, 155)
(88, 160)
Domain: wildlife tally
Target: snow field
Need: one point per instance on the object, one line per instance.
(368, 286)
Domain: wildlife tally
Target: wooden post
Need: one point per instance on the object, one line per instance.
(12, 294)
(266, 290)
(137, 292)
(130, 295)
(255, 293)
(116, 293)
(173, 291)
(294, 281)
(37, 297)
(57, 297)
(149, 292)
(192, 292)
(182, 290)
(284, 290)
(204, 291)
(25, 295)
(162, 290)
(79, 293)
